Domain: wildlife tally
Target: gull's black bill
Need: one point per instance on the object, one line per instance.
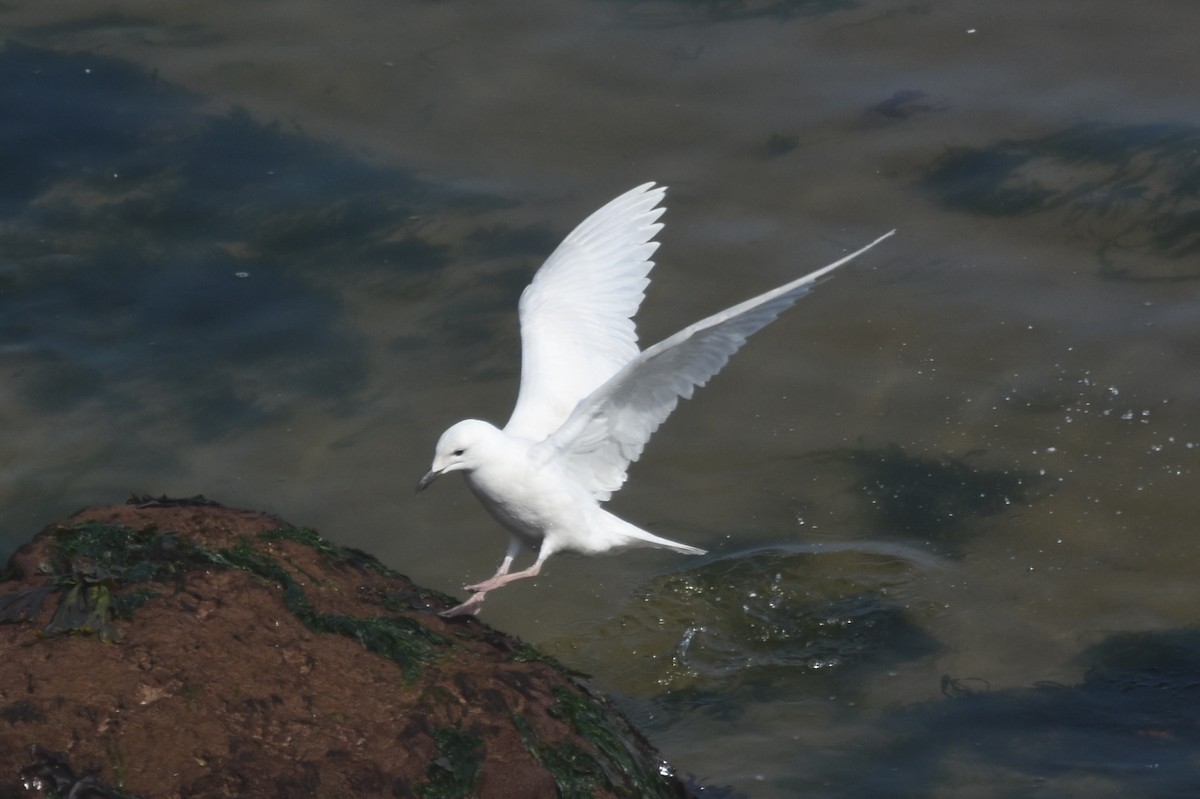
(424, 482)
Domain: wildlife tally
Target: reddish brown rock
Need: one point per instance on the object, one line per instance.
(190, 650)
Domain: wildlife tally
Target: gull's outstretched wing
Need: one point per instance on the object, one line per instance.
(576, 325)
(609, 428)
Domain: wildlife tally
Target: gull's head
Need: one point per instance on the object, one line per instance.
(459, 449)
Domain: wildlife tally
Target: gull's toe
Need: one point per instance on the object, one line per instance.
(469, 608)
(481, 588)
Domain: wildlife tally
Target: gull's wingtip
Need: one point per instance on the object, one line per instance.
(839, 262)
(649, 187)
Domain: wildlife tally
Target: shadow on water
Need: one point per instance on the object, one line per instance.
(1129, 729)
(933, 500)
(1134, 188)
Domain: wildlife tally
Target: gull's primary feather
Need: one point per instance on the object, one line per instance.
(608, 429)
(577, 328)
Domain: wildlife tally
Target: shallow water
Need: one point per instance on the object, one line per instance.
(268, 252)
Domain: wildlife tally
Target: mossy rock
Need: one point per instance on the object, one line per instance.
(180, 648)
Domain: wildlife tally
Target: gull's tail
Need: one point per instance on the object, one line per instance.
(625, 534)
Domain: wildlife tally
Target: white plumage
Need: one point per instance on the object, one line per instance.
(589, 399)
(577, 314)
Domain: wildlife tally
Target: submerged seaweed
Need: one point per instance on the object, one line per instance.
(935, 498)
(810, 622)
(453, 773)
(758, 617)
(1127, 729)
(1133, 187)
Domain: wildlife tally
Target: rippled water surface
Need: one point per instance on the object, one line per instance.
(268, 251)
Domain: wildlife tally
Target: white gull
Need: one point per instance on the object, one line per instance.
(589, 399)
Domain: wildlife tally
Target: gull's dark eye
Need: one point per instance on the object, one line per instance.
(459, 451)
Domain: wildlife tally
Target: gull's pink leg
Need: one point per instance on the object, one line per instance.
(503, 579)
(479, 591)
(514, 548)
(486, 585)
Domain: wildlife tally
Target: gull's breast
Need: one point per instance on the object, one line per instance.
(529, 501)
